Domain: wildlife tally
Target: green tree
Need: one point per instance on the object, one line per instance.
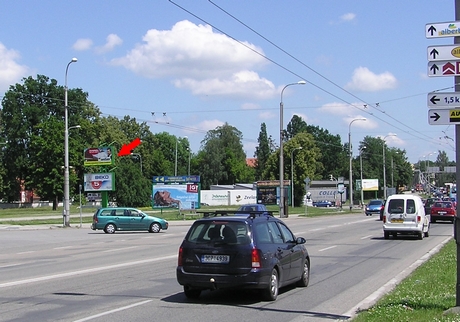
(222, 158)
(32, 121)
(263, 151)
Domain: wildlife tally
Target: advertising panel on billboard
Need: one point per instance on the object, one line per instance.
(182, 196)
(267, 195)
(370, 184)
(94, 182)
(98, 156)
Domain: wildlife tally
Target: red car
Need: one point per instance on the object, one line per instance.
(442, 210)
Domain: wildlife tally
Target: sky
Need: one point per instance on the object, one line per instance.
(186, 67)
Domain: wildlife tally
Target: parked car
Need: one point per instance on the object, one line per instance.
(443, 210)
(255, 251)
(112, 219)
(323, 203)
(405, 214)
(374, 207)
(252, 208)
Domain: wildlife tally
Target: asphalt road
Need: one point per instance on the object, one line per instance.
(69, 274)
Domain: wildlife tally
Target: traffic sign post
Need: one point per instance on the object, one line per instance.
(443, 29)
(444, 116)
(446, 52)
(443, 99)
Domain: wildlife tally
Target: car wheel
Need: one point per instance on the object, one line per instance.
(271, 291)
(155, 227)
(420, 235)
(386, 235)
(305, 277)
(191, 293)
(110, 228)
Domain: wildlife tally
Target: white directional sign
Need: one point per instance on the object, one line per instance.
(443, 99)
(443, 29)
(436, 53)
(443, 68)
(444, 116)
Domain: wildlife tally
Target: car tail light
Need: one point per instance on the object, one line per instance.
(95, 219)
(179, 258)
(384, 219)
(255, 258)
(419, 218)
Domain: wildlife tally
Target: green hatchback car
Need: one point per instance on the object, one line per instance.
(112, 219)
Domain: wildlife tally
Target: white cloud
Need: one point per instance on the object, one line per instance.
(112, 41)
(83, 44)
(340, 108)
(250, 106)
(348, 17)
(267, 115)
(200, 60)
(366, 81)
(10, 71)
(209, 125)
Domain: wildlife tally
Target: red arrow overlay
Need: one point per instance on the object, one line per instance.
(127, 148)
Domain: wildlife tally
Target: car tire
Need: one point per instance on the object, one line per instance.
(154, 227)
(305, 276)
(421, 235)
(191, 293)
(270, 293)
(110, 229)
(386, 235)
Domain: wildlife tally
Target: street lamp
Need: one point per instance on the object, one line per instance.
(384, 167)
(282, 212)
(175, 163)
(351, 159)
(426, 169)
(189, 157)
(140, 158)
(361, 167)
(66, 151)
(292, 173)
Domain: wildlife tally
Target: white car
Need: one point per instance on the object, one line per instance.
(405, 214)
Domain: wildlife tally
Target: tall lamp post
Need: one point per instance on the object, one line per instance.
(175, 163)
(384, 167)
(351, 159)
(282, 212)
(66, 151)
(140, 158)
(292, 174)
(361, 168)
(189, 157)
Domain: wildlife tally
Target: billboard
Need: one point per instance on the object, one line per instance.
(370, 184)
(182, 196)
(94, 182)
(98, 156)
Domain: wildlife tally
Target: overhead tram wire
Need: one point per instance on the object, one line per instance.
(317, 73)
(405, 129)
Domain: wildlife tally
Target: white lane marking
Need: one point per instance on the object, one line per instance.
(327, 248)
(113, 311)
(28, 252)
(63, 247)
(366, 237)
(117, 249)
(84, 271)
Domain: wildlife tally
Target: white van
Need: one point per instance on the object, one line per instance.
(405, 214)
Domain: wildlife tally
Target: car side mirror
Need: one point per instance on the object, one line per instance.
(300, 240)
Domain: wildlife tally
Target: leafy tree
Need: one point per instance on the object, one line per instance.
(295, 126)
(263, 151)
(222, 158)
(132, 188)
(32, 121)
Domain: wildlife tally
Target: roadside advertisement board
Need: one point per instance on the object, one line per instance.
(94, 182)
(370, 184)
(181, 196)
(98, 156)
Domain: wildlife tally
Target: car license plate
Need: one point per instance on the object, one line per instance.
(215, 259)
(397, 220)
(442, 212)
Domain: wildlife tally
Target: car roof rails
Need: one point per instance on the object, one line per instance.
(251, 214)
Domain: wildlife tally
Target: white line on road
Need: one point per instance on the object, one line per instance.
(117, 249)
(63, 247)
(327, 248)
(366, 237)
(84, 271)
(112, 311)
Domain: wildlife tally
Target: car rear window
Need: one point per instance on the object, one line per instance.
(224, 232)
(375, 202)
(398, 206)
